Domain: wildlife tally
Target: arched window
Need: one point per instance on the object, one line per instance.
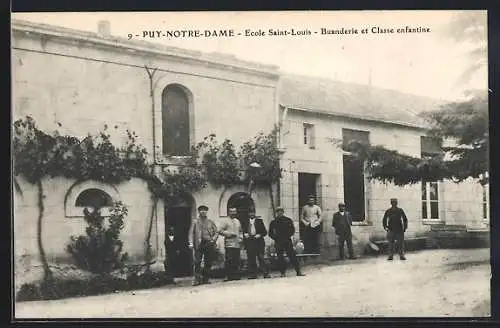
(93, 194)
(243, 204)
(95, 198)
(175, 121)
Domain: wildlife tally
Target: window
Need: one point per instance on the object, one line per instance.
(354, 187)
(486, 203)
(175, 121)
(95, 198)
(430, 200)
(89, 194)
(309, 135)
(354, 175)
(430, 147)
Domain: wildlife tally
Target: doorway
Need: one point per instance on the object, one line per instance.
(308, 185)
(243, 203)
(178, 217)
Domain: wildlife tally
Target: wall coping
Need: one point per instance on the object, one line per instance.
(215, 59)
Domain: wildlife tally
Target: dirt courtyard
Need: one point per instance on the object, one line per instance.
(431, 283)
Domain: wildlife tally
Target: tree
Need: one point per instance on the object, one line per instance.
(263, 149)
(463, 125)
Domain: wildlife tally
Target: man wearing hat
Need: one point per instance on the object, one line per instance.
(395, 223)
(342, 222)
(233, 237)
(281, 230)
(202, 238)
(311, 220)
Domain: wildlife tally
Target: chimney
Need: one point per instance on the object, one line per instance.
(104, 28)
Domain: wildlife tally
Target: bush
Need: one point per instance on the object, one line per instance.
(100, 251)
(62, 288)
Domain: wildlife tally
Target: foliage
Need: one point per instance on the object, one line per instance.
(100, 251)
(90, 286)
(390, 166)
(464, 124)
(219, 161)
(263, 149)
(38, 154)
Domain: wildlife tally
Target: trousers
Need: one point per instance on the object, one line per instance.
(345, 239)
(232, 263)
(255, 251)
(204, 252)
(286, 247)
(396, 237)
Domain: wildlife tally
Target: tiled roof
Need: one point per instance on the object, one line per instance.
(354, 100)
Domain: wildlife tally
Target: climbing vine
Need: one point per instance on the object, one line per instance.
(220, 162)
(389, 166)
(38, 155)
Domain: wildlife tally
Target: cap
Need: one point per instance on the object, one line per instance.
(279, 208)
(394, 199)
(202, 208)
(341, 204)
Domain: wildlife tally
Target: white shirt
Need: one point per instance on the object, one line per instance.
(252, 227)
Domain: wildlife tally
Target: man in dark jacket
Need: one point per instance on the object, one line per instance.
(395, 223)
(342, 222)
(281, 230)
(254, 232)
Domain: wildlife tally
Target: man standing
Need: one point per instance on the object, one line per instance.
(311, 221)
(233, 235)
(395, 223)
(253, 233)
(202, 237)
(342, 222)
(281, 230)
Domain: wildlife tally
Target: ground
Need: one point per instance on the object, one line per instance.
(432, 283)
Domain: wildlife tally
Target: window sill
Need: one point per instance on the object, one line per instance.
(432, 221)
(170, 160)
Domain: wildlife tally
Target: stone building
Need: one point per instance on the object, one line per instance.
(84, 80)
(318, 115)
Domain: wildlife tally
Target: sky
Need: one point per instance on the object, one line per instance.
(427, 64)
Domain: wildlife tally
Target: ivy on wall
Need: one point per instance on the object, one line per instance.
(38, 155)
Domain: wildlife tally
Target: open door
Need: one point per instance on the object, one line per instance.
(178, 217)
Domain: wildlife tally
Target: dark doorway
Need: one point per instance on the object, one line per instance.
(178, 216)
(243, 203)
(308, 185)
(354, 187)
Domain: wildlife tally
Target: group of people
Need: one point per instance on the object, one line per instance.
(394, 222)
(250, 234)
(203, 235)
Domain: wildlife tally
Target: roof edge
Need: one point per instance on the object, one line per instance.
(145, 46)
(355, 117)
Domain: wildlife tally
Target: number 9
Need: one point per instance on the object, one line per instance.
(130, 36)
